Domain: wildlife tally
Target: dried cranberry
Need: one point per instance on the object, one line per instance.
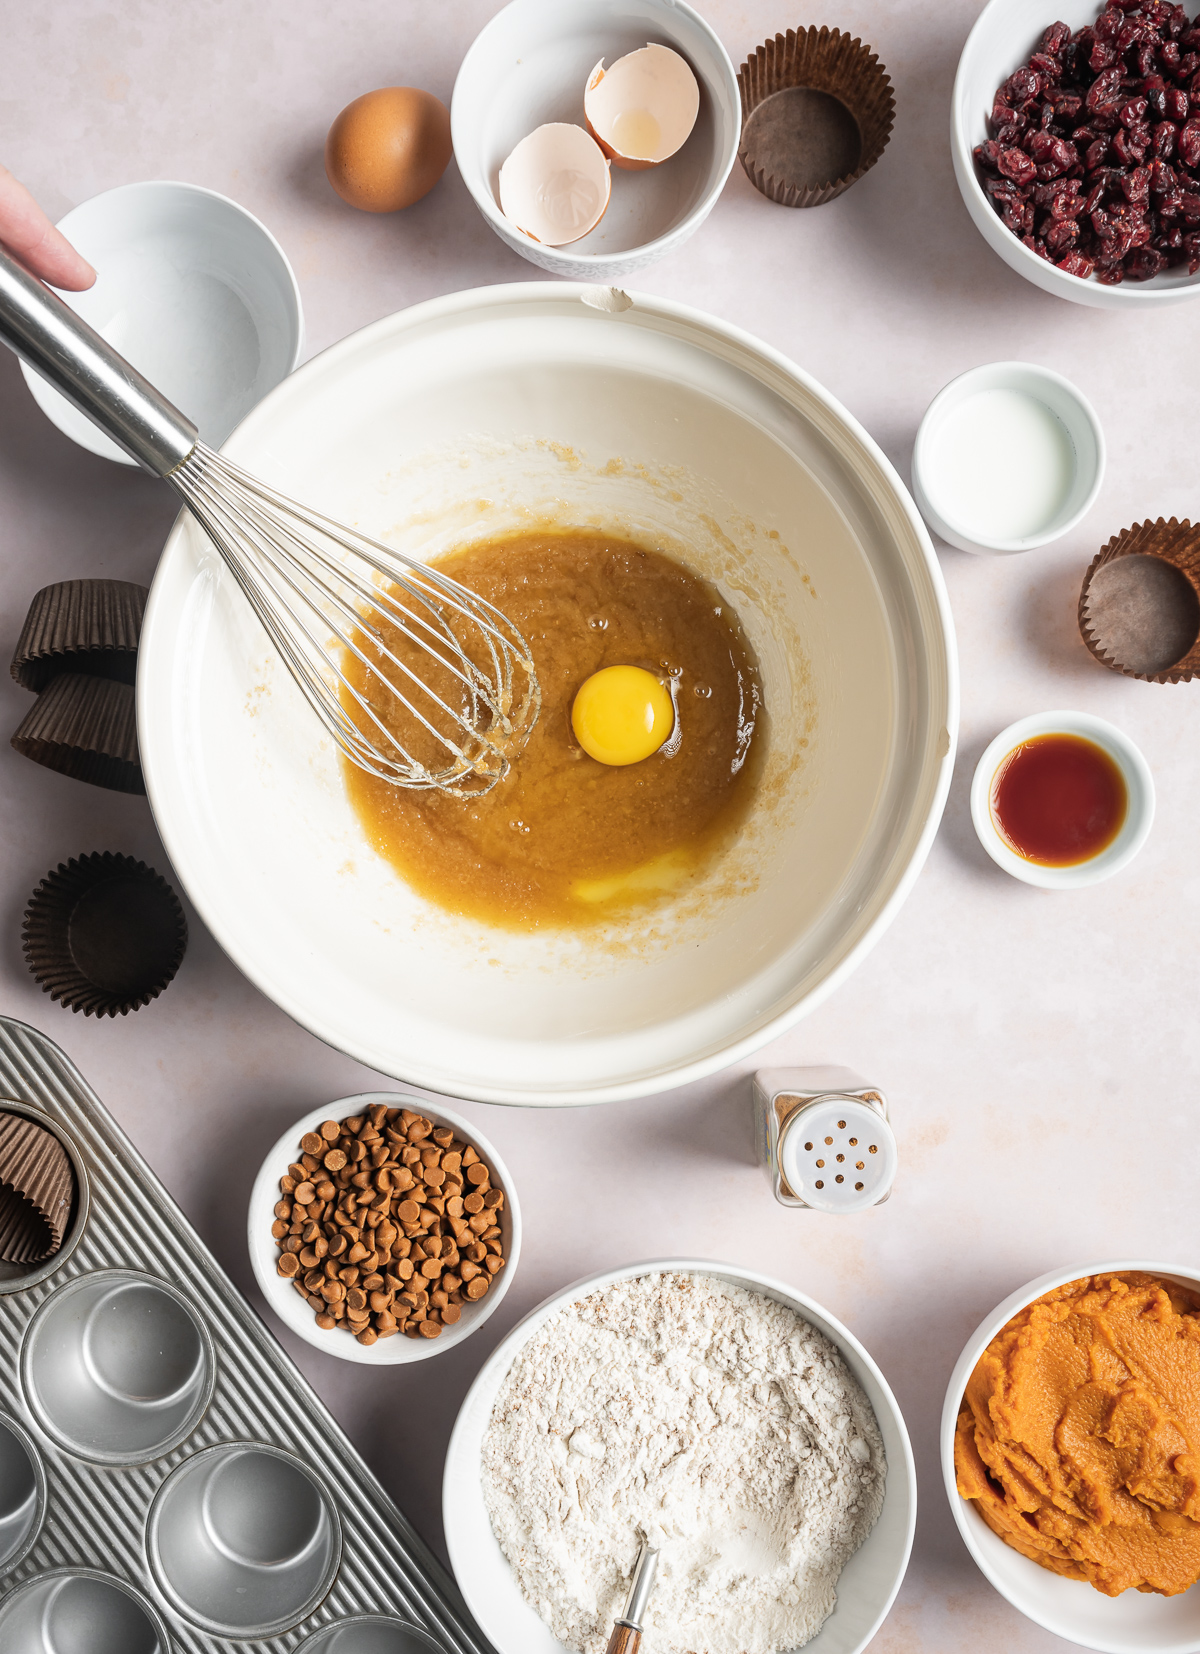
(1169, 55)
(1110, 273)
(1189, 142)
(1191, 246)
(1067, 106)
(1136, 186)
(1162, 178)
(1062, 234)
(1055, 38)
(987, 155)
(1123, 149)
(1176, 101)
(1015, 164)
(1108, 24)
(1188, 65)
(1096, 153)
(1037, 245)
(1143, 263)
(1021, 86)
(1076, 265)
(1163, 140)
(1105, 91)
(1189, 208)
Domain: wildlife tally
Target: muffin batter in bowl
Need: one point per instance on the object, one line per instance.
(563, 839)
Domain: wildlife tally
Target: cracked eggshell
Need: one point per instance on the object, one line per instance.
(555, 185)
(643, 109)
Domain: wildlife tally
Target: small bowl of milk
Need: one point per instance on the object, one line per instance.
(1008, 456)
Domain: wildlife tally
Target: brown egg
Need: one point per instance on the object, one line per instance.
(388, 148)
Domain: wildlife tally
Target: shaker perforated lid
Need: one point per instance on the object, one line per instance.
(838, 1155)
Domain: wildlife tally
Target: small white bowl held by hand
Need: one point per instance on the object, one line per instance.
(530, 66)
(195, 292)
(287, 1302)
(1002, 40)
(869, 1581)
(1139, 812)
(1136, 1622)
(1009, 456)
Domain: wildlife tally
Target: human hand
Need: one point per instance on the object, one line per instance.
(29, 235)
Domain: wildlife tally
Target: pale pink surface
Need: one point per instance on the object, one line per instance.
(1038, 1050)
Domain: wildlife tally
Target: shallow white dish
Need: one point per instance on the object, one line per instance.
(287, 1302)
(195, 292)
(1139, 816)
(466, 416)
(1069, 406)
(869, 1581)
(1133, 1623)
(1005, 33)
(530, 64)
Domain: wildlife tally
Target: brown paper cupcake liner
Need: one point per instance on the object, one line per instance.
(1139, 609)
(87, 728)
(37, 1191)
(89, 626)
(817, 112)
(104, 934)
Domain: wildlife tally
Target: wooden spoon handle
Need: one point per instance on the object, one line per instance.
(625, 1639)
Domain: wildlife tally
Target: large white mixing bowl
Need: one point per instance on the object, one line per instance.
(483, 411)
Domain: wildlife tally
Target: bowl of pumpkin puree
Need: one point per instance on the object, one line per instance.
(1071, 1454)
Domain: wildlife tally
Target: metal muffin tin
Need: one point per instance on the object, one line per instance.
(169, 1484)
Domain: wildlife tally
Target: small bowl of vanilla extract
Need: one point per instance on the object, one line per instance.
(1062, 799)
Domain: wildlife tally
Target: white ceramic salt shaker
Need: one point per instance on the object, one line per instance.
(822, 1136)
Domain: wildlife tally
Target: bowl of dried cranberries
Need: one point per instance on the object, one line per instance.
(1076, 141)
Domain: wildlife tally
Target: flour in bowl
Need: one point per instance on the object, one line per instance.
(711, 1421)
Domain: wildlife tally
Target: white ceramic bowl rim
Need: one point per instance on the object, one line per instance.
(1139, 783)
(968, 115)
(978, 1538)
(1019, 375)
(619, 260)
(458, 1472)
(282, 1295)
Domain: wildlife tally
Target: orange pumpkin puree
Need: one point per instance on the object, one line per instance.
(1079, 1435)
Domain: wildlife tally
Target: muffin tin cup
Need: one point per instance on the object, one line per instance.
(16, 1276)
(1139, 609)
(87, 626)
(72, 1610)
(117, 1367)
(22, 1494)
(370, 1634)
(817, 113)
(243, 1541)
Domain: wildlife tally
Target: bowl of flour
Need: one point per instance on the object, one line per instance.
(718, 1414)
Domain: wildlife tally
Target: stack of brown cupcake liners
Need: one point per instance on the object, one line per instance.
(1139, 609)
(37, 1191)
(830, 120)
(78, 652)
(104, 934)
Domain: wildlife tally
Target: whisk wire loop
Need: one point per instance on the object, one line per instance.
(362, 629)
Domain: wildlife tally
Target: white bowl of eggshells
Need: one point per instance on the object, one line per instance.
(533, 67)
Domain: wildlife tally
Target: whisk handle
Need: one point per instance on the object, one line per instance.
(61, 347)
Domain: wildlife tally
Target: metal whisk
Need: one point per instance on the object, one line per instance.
(418, 680)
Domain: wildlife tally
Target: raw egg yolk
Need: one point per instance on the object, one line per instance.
(622, 715)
